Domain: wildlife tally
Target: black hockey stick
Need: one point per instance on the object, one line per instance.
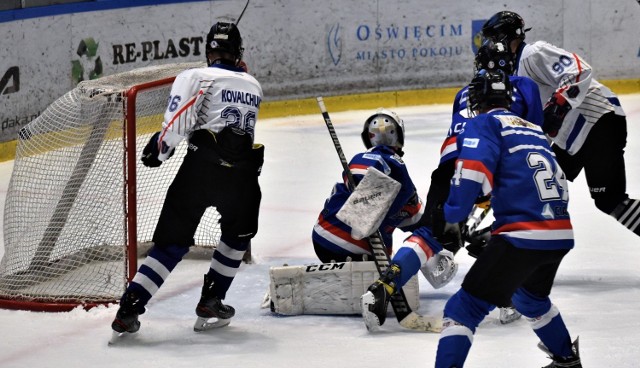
(241, 14)
(406, 317)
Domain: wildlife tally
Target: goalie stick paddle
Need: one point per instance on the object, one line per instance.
(405, 316)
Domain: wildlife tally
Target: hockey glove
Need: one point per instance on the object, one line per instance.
(554, 112)
(150, 152)
(448, 234)
(478, 241)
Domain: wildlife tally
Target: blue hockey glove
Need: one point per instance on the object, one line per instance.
(554, 112)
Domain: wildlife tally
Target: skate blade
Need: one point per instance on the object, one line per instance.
(204, 324)
(117, 337)
(371, 321)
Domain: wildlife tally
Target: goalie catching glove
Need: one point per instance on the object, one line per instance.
(151, 152)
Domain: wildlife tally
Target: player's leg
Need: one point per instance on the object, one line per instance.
(532, 300)
(179, 218)
(499, 270)
(606, 173)
(238, 202)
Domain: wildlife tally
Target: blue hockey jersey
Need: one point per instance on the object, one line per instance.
(334, 235)
(509, 157)
(526, 104)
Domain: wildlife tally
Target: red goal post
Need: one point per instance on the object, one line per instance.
(80, 207)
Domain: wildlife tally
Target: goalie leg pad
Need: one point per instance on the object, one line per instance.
(327, 288)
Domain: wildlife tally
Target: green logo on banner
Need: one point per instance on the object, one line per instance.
(88, 66)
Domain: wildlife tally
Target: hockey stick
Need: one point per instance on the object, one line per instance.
(470, 229)
(241, 14)
(406, 317)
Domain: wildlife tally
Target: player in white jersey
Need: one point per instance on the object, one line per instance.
(582, 116)
(215, 108)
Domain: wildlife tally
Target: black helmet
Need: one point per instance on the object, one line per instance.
(490, 89)
(494, 55)
(504, 26)
(383, 128)
(225, 37)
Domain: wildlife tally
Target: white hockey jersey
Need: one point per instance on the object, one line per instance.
(210, 98)
(554, 69)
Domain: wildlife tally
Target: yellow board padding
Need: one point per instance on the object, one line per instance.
(307, 106)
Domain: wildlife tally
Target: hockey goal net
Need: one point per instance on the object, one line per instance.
(80, 206)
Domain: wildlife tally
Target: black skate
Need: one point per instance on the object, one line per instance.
(375, 301)
(127, 316)
(126, 321)
(572, 361)
(211, 306)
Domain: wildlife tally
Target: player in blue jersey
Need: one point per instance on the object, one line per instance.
(583, 117)
(525, 103)
(383, 136)
(215, 108)
(509, 157)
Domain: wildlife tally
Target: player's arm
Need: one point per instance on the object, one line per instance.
(181, 113)
(567, 73)
(473, 177)
(531, 95)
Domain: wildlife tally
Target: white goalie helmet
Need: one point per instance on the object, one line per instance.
(384, 128)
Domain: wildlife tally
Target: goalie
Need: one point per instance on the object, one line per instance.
(385, 198)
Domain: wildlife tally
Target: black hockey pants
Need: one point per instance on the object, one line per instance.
(602, 157)
(202, 182)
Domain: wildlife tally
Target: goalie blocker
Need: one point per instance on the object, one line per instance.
(326, 288)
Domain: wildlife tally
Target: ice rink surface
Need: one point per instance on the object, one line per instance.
(597, 287)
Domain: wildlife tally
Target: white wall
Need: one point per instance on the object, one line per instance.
(300, 48)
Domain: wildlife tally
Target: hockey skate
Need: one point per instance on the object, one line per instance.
(126, 321)
(211, 306)
(375, 301)
(509, 314)
(572, 361)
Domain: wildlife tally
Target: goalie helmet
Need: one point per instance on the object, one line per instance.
(490, 89)
(504, 26)
(225, 37)
(384, 128)
(494, 55)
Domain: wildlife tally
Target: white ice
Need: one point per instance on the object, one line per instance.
(597, 287)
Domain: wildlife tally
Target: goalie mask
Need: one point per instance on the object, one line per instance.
(504, 26)
(384, 128)
(225, 37)
(490, 89)
(494, 55)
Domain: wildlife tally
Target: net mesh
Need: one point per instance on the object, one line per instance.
(65, 215)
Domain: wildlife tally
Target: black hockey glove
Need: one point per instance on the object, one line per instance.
(554, 112)
(446, 233)
(478, 241)
(150, 152)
